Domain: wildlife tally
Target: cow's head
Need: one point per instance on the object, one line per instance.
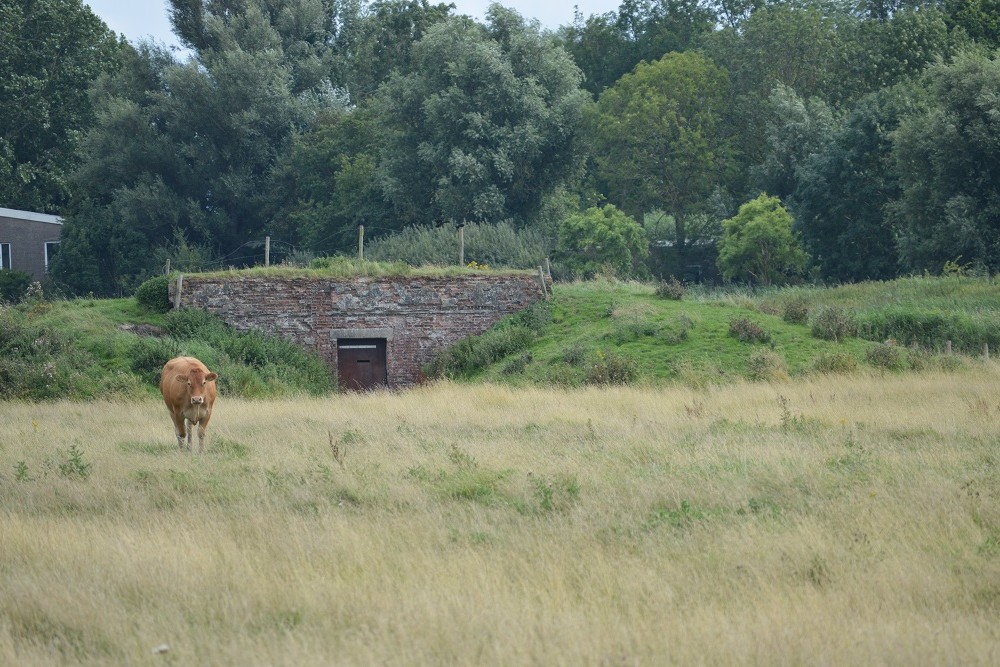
(196, 381)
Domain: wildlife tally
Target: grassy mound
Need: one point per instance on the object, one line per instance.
(113, 348)
(602, 332)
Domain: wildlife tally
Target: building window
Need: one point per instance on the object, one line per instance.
(4, 255)
(51, 248)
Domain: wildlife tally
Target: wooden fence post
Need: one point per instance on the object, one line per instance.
(541, 279)
(947, 347)
(267, 251)
(361, 241)
(177, 294)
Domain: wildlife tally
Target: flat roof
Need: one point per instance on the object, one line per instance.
(30, 215)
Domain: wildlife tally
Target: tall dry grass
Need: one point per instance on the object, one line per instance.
(837, 520)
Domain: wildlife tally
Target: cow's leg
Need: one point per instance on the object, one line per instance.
(179, 429)
(190, 432)
(202, 425)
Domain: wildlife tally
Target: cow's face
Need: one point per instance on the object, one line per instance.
(196, 381)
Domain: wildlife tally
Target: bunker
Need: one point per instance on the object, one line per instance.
(375, 331)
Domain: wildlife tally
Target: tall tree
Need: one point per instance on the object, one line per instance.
(485, 124)
(193, 147)
(606, 46)
(796, 129)
(948, 160)
(378, 39)
(843, 190)
(655, 136)
(51, 51)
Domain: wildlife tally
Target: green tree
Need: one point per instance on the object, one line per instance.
(485, 124)
(602, 239)
(606, 46)
(193, 146)
(758, 244)
(51, 51)
(980, 19)
(796, 128)
(948, 161)
(655, 140)
(843, 190)
(378, 39)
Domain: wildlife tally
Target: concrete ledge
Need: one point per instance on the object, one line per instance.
(361, 333)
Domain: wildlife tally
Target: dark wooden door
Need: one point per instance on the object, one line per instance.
(361, 363)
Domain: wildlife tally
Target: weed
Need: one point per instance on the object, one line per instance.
(612, 368)
(796, 311)
(556, 493)
(21, 472)
(884, 356)
(836, 362)
(833, 323)
(575, 355)
(680, 517)
(747, 331)
(671, 288)
(765, 364)
(517, 365)
(74, 465)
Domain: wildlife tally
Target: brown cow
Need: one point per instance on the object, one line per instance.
(188, 389)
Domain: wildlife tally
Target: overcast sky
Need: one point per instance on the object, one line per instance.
(148, 18)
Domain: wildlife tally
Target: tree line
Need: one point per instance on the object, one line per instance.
(825, 139)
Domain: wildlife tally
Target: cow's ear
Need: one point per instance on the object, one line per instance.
(211, 377)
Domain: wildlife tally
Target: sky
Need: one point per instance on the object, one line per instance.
(137, 19)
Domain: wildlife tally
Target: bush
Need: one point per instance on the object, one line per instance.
(153, 295)
(930, 329)
(833, 323)
(196, 324)
(672, 289)
(13, 285)
(765, 364)
(885, 356)
(796, 311)
(747, 331)
(612, 368)
(837, 362)
(149, 356)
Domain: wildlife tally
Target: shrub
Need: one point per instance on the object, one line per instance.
(612, 368)
(671, 288)
(477, 352)
(833, 323)
(837, 362)
(747, 331)
(153, 295)
(196, 324)
(149, 355)
(574, 355)
(882, 355)
(13, 285)
(765, 364)
(796, 311)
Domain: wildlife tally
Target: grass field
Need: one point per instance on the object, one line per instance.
(826, 520)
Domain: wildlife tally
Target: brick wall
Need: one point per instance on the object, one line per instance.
(416, 315)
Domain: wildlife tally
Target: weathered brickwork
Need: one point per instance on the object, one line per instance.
(416, 315)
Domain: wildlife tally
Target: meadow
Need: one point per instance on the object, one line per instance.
(827, 519)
